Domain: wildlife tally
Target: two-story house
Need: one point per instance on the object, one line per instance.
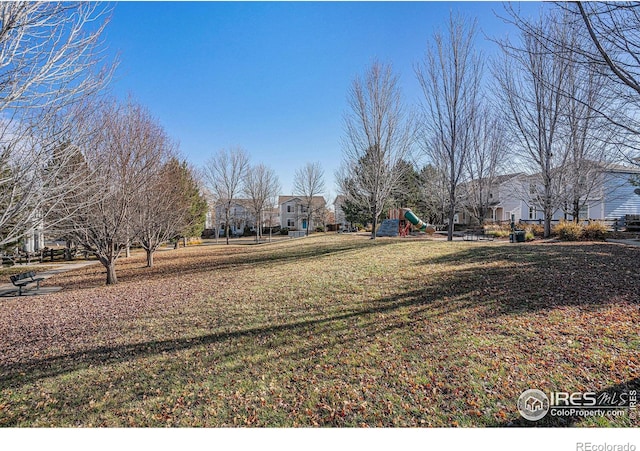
(240, 217)
(294, 213)
(611, 196)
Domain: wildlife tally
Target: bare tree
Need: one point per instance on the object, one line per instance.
(604, 41)
(120, 160)
(378, 139)
(261, 186)
(49, 52)
(531, 81)
(573, 112)
(588, 134)
(486, 159)
(434, 193)
(164, 207)
(450, 77)
(225, 174)
(308, 183)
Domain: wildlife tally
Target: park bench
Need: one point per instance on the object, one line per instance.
(477, 234)
(24, 279)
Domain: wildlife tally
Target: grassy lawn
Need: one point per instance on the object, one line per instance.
(325, 331)
(11, 270)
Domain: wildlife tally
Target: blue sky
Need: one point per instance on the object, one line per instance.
(270, 77)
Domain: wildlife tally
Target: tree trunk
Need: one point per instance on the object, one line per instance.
(128, 251)
(112, 279)
(576, 210)
(149, 258)
(547, 222)
(374, 222)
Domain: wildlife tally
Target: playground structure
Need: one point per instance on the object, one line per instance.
(400, 221)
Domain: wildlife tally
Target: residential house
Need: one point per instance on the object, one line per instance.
(34, 240)
(340, 218)
(240, 217)
(611, 197)
(294, 213)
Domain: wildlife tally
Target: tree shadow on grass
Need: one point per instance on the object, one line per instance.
(529, 278)
(18, 374)
(208, 260)
(512, 290)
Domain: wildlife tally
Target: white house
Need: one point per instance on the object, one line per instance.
(611, 197)
(34, 240)
(240, 217)
(294, 214)
(340, 218)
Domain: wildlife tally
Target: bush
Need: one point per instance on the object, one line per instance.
(529, 236)
(498, 230)
(284, 231)
(499, 233)
(595, 230)
(536, 230)
(320, 229)
(568, 231)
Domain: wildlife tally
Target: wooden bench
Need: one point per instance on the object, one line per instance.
(24, 279)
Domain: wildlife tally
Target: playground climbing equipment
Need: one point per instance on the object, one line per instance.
(400, 221)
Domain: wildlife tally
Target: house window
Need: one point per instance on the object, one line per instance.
(291, 223)
(532, 188)
(289, 208)
(533, 213)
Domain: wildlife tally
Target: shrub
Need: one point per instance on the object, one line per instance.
(595, 230)
(498, 230)
(535, 229)
(320, 229)
(284, 231)
(499, 233)
(568, 231)
(529, 236)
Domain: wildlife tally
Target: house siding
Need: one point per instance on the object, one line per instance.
(622, 200)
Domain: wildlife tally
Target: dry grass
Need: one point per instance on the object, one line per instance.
(331, 331)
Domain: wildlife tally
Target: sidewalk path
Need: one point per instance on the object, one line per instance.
(627, 242)
(9, 290)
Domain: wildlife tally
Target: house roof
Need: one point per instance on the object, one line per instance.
(316, 200)
(613, 167)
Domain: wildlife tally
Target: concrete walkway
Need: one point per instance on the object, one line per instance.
(627, 242)
(8, 290)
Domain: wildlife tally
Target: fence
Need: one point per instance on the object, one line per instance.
(43, 256)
